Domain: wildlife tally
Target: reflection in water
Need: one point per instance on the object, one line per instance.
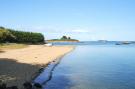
(95, 67)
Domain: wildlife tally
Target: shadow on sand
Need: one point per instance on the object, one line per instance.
(14, 73)
(1, 51)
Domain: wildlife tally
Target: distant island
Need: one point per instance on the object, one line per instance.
(102, 41)
(124, 42)
(63, 39)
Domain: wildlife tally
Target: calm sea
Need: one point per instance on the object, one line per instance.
(92, 66)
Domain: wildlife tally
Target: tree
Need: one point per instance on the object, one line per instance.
(2, 27)
(5, 35)
(27, 37)
(9, 35)
(64, 37)
(69, 38)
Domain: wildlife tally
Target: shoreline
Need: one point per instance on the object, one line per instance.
(9, 63)
(46, 74)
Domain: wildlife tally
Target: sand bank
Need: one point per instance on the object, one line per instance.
(20, 65)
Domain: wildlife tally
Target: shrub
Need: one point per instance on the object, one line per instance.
(9, 35)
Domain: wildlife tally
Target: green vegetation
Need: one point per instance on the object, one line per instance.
(63, 38)
(4, 46)
(12, 36)
(5, 35)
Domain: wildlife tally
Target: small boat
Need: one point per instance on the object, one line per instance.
(123, 43)
(126, 42)
(48, 44)
(117, 44)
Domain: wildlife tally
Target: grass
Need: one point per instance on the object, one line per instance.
(6, 46)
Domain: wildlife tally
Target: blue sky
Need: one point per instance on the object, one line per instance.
(80, 19)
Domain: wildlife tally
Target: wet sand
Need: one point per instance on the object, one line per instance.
(20, 65)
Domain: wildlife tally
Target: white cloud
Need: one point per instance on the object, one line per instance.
(44, 29)
(80, 31)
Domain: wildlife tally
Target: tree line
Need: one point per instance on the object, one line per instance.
(13, 36)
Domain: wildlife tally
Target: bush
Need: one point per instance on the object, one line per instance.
(5, 35)
(27, 37)
(9, 35)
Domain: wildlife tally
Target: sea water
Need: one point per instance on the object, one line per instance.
(95, 67)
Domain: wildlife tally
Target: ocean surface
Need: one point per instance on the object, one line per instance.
(94, 66)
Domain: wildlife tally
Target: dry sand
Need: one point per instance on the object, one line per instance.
(20, 65)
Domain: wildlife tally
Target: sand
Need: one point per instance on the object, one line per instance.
(20, 65)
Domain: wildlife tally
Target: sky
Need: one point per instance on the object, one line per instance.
(84, 20)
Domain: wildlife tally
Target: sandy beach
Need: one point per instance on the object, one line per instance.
(20, 65)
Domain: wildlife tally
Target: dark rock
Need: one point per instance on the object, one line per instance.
(37, 85)
(3, 86)
(0, 81)
(13, 87)
(41, 70)
(27, 85)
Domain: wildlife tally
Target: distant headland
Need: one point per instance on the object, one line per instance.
(63, 39)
